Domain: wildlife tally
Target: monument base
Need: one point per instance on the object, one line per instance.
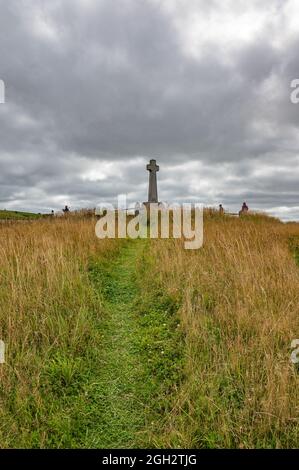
(148, 205)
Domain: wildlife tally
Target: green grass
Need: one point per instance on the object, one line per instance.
(140, 357)
(11, 215)
(96, 356)
(105, 376)
(109, 378)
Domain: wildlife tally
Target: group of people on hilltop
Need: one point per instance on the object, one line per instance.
(65, 211)
(243, 210)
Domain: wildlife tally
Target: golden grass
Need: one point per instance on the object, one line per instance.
(46, 309)
(239, 298)
(239, 311)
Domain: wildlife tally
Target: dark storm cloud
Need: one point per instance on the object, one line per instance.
(93, 89)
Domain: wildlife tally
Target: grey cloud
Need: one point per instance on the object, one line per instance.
(112, 82)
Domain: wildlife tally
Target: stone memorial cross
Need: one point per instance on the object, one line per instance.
(152, 167)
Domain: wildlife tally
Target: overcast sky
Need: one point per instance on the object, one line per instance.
(95, 88)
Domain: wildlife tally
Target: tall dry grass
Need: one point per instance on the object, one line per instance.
(239, 309)
(48, 314)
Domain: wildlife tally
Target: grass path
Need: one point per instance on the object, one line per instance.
(121, 409)
(139, 355)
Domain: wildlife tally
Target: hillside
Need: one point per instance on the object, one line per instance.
(141, 343)
(17, 215)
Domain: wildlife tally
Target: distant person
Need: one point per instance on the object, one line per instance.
(137, 209)
(244, 209)
(66, 210)
(221, 210)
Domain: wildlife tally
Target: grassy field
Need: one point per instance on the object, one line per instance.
(239, 308)
(144, 344)
(17, 215)
(90, 359)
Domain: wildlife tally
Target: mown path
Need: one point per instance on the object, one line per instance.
(140, 354)
(121, 394)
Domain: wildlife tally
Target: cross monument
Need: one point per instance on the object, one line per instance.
(152, 167)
